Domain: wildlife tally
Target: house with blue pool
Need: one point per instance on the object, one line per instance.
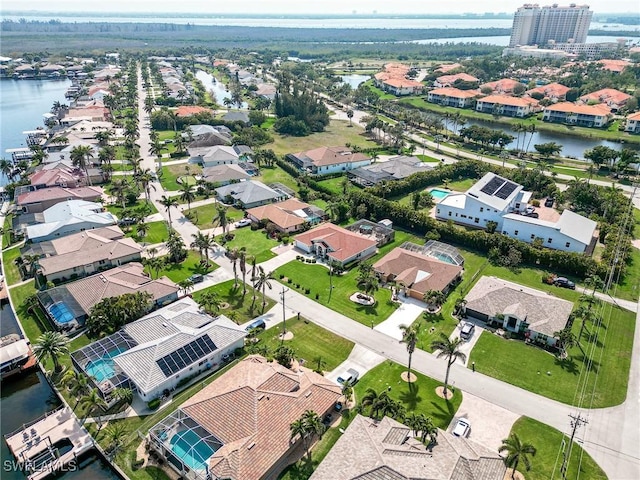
(238, 427)
(160, 352)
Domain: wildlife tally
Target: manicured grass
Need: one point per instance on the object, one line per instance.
(310, 342)
(181, 271)
(420, 397)
(243, 308)
(334, 184)
(338, 133)
(256, 242)
(171, 173)
(141, 207)
(460, 185)
(275, 174)
(10, 268)
(629, 287)
(157, 233)
(6, 227)
(548, 442)
(203, 215)
(611, 354)
(33, 322)
(316, 278)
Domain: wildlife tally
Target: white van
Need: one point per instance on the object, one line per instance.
(348, 378)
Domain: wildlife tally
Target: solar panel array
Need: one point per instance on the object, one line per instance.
(185, 356)
(506, 190)
(492, 185)
(499, 187)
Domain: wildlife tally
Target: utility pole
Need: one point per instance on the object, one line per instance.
(284, 315)
(576, 422)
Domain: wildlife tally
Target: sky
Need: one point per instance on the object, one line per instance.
(304, 6)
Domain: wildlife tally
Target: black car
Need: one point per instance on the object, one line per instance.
(549, 201)
(564, 283)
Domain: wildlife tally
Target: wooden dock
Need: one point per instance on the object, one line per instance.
(51, 443)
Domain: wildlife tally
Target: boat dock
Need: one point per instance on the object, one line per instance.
(50, 443)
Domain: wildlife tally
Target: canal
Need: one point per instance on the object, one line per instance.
(216, 87)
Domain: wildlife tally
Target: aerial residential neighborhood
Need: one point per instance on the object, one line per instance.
(393, 259)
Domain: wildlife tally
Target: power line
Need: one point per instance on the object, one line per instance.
(576, 422)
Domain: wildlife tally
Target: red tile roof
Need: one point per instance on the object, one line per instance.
(508, 100)
(550, 90)
(448, 68)
(403, 83)
(614, 65)
(59, 193)
(505, 85)
(250, 408)
(568, 107)
(343, 244)
(280, 213)
(324, 156)
(634, 116)
(455, 92)
(607, 95)
(188, 110)
(450, 79)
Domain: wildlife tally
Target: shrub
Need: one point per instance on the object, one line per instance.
(307, 291)
(535, 203)
(313, 260)
(154, 404)
(297, 285)
(317, 296)
(288, 280)
(281, 276)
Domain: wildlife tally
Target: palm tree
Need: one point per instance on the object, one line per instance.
(77, 385)
(53, 345)
(242, 261)
(410, 339)
(434, 298)
(451, 350)
(116, 433)
(371, 398)
(262, 281)
(210, 302)
(221, 218)
(142, 229)
(119, 188)
(369, 283)
(566, 340)
(254, 270)
(6, 167)
(299, 428)
(90, 403)
(80, 155)
(233, 256)
(155, 264)
(186, 285)
(168, 203)
(188, 194)
(144, 178)
(124, 395)
(313, 423)
(516, 451)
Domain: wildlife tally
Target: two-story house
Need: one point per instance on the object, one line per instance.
(325, 160)
(579, 115)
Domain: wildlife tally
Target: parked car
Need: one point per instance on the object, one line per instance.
(245, 222)
(256, 324)
(549, 201)
(349, 377)
(564, 283)
(467, 331)
(196, 278)
(529, 210)
(326, 420)
(127, 221)
(462, 428)
(533, 215)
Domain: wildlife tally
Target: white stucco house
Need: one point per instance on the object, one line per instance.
(325, 160)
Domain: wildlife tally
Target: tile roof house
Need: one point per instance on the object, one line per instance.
(553, 91)
(449, 80)
(224, 174)
(396, 168)
(288, 216)
(87, 252)
(614, 99)
(633, 123)
(266, 90)
(249, 194)
(416, 273)
(615, 66)
(333, 243)
(325, 160)
(453, 97)
(152, 354)
(58, 177)
(536, 314)
(188, 110)
(69, 217)
(91, 113)
(445, 68)
(580, 115)
(386, 450)
(69, 305)
(39, 200)
(254, 442)
(507, 105)
(502, 86)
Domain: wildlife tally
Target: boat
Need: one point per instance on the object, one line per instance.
(15, 356)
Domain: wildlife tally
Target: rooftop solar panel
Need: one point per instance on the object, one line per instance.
(506, 190)
(184, 356)
(492, 185)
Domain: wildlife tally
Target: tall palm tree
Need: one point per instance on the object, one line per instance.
(516, 451)
(51, 345)
(6, 167)
(210, 302)
(187, 193)
(221, 218)
(451, 350)
(80, 155)
(77, 385)
(144, 178)
(410, 339)
(116, 433)
(434, 298)
(198, 244)
(119, 188)
(242, 262)
(566, 339)
(142, 229)
(261, 281)
(298, 428)
(91, 403)
(254, 270)
(168, 203)
(233, 256)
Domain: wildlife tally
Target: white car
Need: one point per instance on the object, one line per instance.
(462, 428)
(245, 222)
(467, 331)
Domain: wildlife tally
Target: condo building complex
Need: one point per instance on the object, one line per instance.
(535, 25)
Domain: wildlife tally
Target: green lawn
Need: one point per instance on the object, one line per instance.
(494, 356)
(548, 442)
(337, 133)
(141, 207)
(629, 287)
(203, 215)
(420, 398)
(310, 342)
(256, 242)
(459, 185)
(34, 322)
(334, 184)
(233, 296)
(10, 268)
(157, 233)
(6, 228)
(171, 173)
(181, 271)
(276, 174)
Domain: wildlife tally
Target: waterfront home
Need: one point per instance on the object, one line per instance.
(612, 98)
(69, 305)
(37, 201)
(416, 273)
(58, 177)
(288, 216)
(325, 160)
(515, 308)
(92, 113)
(95, 173)
(386, 449)
(580, 115)
(332, 243)
(189, 110)
(238, 426)
(84, 253)
(160, 352)
(632, 124)
(553, 91)
(453, 97)
(249, 194)
(396, 168)
(508, 106)
(402, 86)
(450, 80)
(504, 86)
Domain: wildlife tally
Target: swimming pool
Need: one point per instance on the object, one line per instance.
(191, 449)
(61, 313)
(439, 194)
(101, 369)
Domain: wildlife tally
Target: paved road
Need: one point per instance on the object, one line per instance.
(612, 436)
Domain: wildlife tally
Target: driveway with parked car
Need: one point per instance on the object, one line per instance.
(468, 331)
(360, 360)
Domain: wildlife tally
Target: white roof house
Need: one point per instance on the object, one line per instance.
(70, 217)
(212, 156)
(250, 193)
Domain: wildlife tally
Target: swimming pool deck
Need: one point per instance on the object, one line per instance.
(35, 438)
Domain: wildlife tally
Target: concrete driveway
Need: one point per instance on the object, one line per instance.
(490, 424)
(409, 310)
(360, 359)
(467, 345)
